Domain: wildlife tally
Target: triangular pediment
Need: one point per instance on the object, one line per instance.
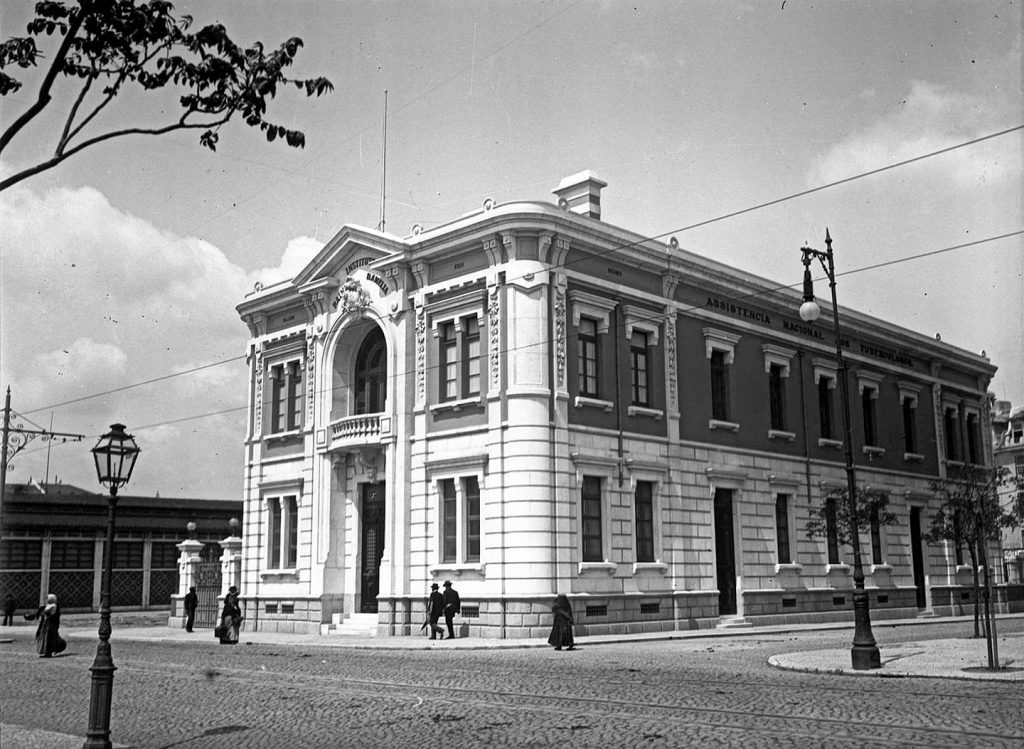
(351, 248)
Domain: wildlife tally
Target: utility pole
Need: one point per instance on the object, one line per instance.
(15, 439)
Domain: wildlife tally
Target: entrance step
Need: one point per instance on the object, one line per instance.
(353, 625)
(733, 622)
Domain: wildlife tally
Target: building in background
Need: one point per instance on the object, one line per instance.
(528, 401)
(1008, 451)
(54, 536)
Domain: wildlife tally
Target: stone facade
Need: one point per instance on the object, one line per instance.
(528, 401)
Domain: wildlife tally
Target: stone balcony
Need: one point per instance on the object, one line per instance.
(357, 431)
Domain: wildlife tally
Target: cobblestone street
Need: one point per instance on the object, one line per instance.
(701, 692)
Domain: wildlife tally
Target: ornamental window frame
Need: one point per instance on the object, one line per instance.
(603, 470)
(909, 398)
(777, 360)
(281, 502)
(585, 305)
(720, 350)
(465, 527)
(456, 310)
(826, 372)
(655, 476)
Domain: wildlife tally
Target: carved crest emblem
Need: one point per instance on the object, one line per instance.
(352, 297)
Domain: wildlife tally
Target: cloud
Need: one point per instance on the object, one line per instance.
(96, 300)
(297, 254)
(930, 118)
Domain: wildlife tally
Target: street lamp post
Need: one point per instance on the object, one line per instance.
(864, 653)
(115, 455)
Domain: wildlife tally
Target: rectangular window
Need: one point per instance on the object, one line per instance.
(644, 500)
(782, 528)
(973, 440)
(16, 554)
(719, 386)
(294, 396)
(593, 550)
(777, 397)
(449, 362)
(958, 550)
(449, 521)
(638, 367)
(910, 425)
(274, 534)
(587, 354)
(71, 555)
(282, 532)
(471, 489)
(472, 348)
(459, 354)
(867, 410)
(825, 385)
(876, 538)
(831, 532)
(128, 555)
(950, 426)
(286, 392)
(292, 539)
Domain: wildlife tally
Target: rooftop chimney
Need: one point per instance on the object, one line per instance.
(581, 193)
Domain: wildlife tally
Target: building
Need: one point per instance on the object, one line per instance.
(54, 536)
(528, 401)
(1008, 451)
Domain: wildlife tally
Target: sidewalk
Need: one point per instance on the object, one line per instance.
(960, 658)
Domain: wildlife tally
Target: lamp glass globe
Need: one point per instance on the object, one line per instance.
(810, 311)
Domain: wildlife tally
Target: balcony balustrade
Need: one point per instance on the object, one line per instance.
(363, 429)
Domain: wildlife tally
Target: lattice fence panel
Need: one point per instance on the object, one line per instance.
(126, 588)
(162, 585)
(73, 588)
(24, 586)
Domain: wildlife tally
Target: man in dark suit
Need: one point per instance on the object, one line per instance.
(191, 603)
(435, 607)
(452, 606)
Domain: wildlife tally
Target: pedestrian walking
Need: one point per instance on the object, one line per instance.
(230, 619)
(191, 603)
(452, 606)
(435, 608)
(48, 639)
(9, 606)
(561, 628)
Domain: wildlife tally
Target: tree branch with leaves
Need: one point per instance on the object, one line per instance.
(834, 516)
(971, 516)
(105, 45)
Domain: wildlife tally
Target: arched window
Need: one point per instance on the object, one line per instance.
(371, 384)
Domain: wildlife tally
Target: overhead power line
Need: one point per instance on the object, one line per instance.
(545, 342)
(681, 229)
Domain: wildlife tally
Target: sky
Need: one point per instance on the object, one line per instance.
(121, 269)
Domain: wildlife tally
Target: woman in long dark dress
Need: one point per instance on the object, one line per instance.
(561, 629)
(230, 618)
(48, 639)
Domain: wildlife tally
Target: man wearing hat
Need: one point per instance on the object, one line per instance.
(435, 607)
(452, 606)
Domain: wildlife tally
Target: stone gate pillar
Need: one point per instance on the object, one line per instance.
(188, 561)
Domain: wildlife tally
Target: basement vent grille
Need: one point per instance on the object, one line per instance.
(838, 600)
(470, 612)
(597, 611)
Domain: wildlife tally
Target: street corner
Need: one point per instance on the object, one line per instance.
(943, 659)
